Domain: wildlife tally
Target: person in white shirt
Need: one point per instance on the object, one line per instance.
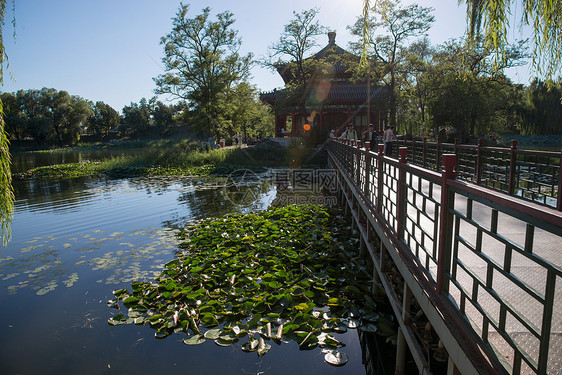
(389, 139)
(350, 134)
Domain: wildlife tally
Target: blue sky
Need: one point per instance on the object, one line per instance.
(110, 50)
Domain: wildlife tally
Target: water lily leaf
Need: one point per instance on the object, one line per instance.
(130, 301)
(194, 340)
(222, 342)
(160, 334)
(252, 323)
(251, 345)
(308, 293)
(334, 302)
(209, 320)
(301, 306)
(275, 285)
(335, 358)
(368, 327)
(116, 320)
(120, 292)
(213, 334)
(228, 336)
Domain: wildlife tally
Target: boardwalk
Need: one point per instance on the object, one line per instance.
(486, 269)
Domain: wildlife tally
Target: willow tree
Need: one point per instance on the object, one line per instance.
(490, 18)
(6, 191)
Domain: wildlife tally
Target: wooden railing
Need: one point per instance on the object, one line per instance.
(531, 174)
(484, 267)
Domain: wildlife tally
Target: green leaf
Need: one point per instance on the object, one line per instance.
(213, 334)
(130, 301)
(194, 340)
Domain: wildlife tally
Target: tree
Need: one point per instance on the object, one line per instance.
(288, 54)
(6, 190)
(387, 32)
(468, 93)
(104, 119)
(202, 64)
(14, 118)
(248, 114)
(544, 16)
(162, 115)
(67, 114)
(413, 111)
(296, 41)
(543, 110)
(137, 117)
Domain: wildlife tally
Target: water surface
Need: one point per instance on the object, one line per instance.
(74, 241)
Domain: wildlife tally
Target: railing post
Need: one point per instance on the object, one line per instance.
(445, 223)
(456, 150)
(437, 156)
(401, 193)
(479, 161)
(358, 166)
(423, 152)
(350, 158)
(559, 194)
(380, 174)
(413, 150)
(367, 168)
(512, 162)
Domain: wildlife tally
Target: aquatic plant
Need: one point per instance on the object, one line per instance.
(178, 159)
(272, 276)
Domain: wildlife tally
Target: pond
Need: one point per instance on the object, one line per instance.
(75, 241)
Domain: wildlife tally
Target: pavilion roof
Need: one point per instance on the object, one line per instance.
(332, 93)
(332, 53)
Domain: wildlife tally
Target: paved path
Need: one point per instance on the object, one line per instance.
(479, 243)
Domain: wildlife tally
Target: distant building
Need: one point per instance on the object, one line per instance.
(330, 100)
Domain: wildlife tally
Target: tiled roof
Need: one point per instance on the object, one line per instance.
(332, 53)
(331, 93)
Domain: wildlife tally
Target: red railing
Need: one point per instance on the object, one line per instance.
(531, 174)
(484, 266)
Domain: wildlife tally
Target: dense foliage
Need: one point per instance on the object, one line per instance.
(459, 86)
(54, 118)
(272, 276)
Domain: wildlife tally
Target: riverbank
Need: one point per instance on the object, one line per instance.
(179, 158)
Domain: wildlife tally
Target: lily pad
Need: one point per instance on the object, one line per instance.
(194, 340)
(213, 334)
(335, 357)
(236, 276)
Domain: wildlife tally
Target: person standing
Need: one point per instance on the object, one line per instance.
(389, 139)
(371, 137)
(350, 134)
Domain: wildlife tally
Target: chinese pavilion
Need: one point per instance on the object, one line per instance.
(330, 100)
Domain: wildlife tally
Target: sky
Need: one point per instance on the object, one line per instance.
(110, 51)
